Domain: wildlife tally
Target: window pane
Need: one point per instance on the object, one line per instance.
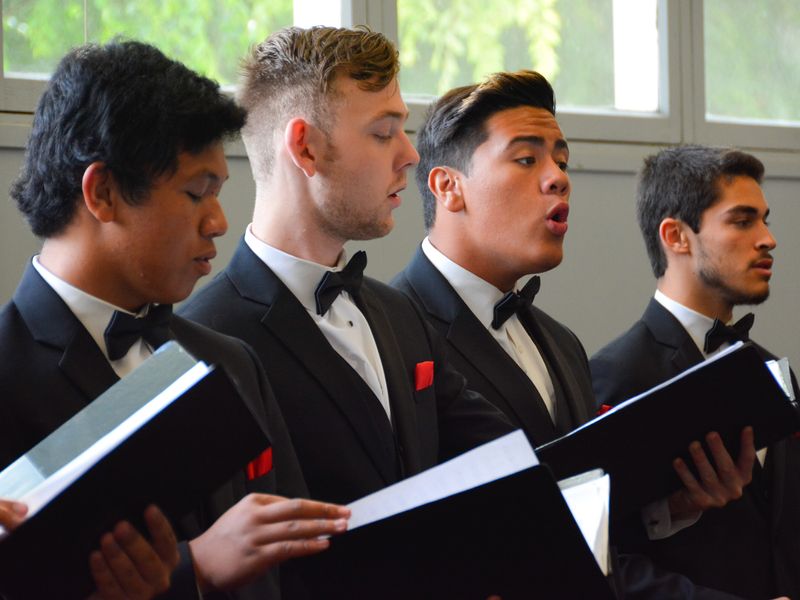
(752, 54)
(598, 54)
(207, 35)
(37, 34)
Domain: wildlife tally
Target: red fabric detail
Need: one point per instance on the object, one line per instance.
(796, 435)
(423, 375)
(260, 466)
(604, 408)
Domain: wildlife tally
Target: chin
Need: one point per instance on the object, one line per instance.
(550, 263)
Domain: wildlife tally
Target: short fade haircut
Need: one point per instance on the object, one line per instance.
(126, 105)
(681, 183)
(292, 73)
(455, 125)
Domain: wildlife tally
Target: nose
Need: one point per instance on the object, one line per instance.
(214, 222)
(407, 156)
(555, 180)
(767, 241)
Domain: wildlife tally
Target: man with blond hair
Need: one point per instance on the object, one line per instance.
(367, 393)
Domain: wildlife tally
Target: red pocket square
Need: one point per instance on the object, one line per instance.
(261, 465)
(604, 408)
(423, 375)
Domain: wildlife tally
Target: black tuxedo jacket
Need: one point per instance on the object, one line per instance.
(490, 370)
(50, 368)
(751, 547)
(344, 441)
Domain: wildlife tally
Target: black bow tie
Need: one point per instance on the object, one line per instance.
(720, 333)
(123, 330)
(513, 302)
(333, 282)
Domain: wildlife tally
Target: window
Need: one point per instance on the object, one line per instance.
(600, 55)
(606, 59)
(641, 71)
(746, 81)
(207, 38)
(752, 60)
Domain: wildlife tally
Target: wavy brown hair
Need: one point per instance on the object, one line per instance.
(293, 73)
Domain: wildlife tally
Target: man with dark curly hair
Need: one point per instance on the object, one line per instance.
(121, 179)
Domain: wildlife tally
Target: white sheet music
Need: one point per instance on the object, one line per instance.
(782, 373)
(588, 501)
(499, 458)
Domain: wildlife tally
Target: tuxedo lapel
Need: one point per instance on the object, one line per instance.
(52, 323)
(471, 339)
(286, 318)
(668, 331)
(560, 371)
(397, 380)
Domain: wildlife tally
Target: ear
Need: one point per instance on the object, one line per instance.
(301, 139)
(445, 185)
(99, 192)
(674, 236)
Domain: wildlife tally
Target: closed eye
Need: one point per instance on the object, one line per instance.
(526, 160)
(743, 223)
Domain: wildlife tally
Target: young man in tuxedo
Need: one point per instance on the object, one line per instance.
(703, 216)
(121, 179)
(368, 395)
(495, 189)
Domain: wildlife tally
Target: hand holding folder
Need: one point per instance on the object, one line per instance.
(637, 441)
(128, 566)
(161, 434)
(715, 484)
(259, 532)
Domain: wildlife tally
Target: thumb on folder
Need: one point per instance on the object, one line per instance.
(11, 513)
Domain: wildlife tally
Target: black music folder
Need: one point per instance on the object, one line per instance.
(636, 441)
(160, 435)
(513, 536)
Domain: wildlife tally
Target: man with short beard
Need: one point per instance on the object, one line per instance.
(704, 220)
(367, 392)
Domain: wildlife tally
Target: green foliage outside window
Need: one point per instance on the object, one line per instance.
(445, 43)
(753, 59)
(207, 35)
(751, 48)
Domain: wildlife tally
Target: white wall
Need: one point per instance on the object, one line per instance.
(599, 290)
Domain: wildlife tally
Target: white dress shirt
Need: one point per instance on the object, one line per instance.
(343, 325)
(95, 314)
(480, 296)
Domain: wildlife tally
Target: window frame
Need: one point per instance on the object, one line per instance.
(682, 89)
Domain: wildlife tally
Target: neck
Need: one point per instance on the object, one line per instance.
(473, 260)
(692, 294)
(285, 218)
(70, 261)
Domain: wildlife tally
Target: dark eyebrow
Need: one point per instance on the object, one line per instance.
(743, 210)
(535, 140)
